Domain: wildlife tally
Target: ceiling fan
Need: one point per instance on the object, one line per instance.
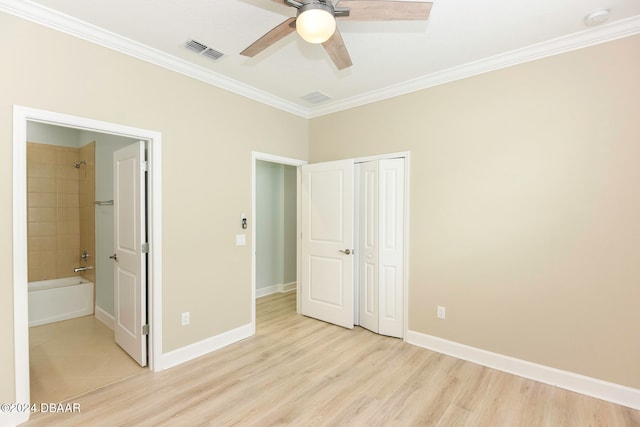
(315, 22)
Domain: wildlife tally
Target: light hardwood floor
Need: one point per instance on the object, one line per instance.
(302, 372)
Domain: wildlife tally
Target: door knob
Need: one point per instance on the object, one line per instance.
(114, 257)
(346, 251)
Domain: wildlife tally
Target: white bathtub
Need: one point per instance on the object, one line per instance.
(59, 299)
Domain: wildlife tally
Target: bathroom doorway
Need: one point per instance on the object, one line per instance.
(25, 118)
(70, 217)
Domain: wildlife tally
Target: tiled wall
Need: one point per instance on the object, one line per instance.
(53, 201)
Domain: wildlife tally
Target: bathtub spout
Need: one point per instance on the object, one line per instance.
(79, 269)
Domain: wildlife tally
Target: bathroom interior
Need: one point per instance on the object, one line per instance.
(69, 240)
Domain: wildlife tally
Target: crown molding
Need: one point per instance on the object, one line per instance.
(615, 30)
(67, 24)
(75, 27)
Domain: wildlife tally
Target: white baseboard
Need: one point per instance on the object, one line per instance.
(105, 317)
(287, 287)
(611, 392)
(193, 351)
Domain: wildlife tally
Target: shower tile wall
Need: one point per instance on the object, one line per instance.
(53, 200)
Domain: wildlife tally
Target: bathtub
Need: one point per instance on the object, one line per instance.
(59, 299)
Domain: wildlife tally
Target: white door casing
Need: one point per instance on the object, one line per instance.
(327, 242)
(130, 287)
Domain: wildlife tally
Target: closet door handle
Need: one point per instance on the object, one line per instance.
(114, 257)
(346, 251)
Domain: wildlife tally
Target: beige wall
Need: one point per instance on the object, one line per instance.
(208, 135)
(524, 206)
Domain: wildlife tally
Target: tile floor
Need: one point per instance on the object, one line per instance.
(75, 356)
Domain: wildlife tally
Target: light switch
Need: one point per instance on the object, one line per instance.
(241, 239)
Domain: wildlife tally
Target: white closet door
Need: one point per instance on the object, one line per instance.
(368, 245)
(391, 247)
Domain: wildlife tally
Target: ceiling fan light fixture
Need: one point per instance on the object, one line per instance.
(315, 22)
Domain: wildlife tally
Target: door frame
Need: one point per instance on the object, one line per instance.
(255, 156)
(22, 115)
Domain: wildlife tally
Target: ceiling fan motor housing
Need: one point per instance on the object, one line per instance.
(322, 5)
(326, 5)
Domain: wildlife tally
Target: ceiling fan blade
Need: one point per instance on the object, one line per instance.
(279, 32)
(385, 10)
(337, 51)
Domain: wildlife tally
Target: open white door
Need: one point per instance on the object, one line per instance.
(327, 242)
(130, 285)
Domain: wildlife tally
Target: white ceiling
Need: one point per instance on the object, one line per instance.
(461, 38)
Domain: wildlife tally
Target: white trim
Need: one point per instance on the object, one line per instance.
(288, 287)
(398, 155)
(611, 392)
(274, 289)
(21, 323)
(597, 35)
(105, 317)
(200, 348)
(255, 156)
(407, 236)
(67, 24)
(20, 293)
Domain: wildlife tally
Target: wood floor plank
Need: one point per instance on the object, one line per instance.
(303, 372)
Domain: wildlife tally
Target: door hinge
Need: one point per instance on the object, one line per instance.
(145, 329)
(145, 248)
(144, 166)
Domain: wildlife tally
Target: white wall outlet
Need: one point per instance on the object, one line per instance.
(185, 318)
(442, 312)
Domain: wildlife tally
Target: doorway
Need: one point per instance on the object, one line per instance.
(22, 116)
(70, 237)
(275, 223)
(269, 161)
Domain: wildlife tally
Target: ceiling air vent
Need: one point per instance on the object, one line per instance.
(202, 49)
(212, 53)
(315, 97)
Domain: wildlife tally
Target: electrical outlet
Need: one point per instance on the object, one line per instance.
(442, 312)
(185, 318)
